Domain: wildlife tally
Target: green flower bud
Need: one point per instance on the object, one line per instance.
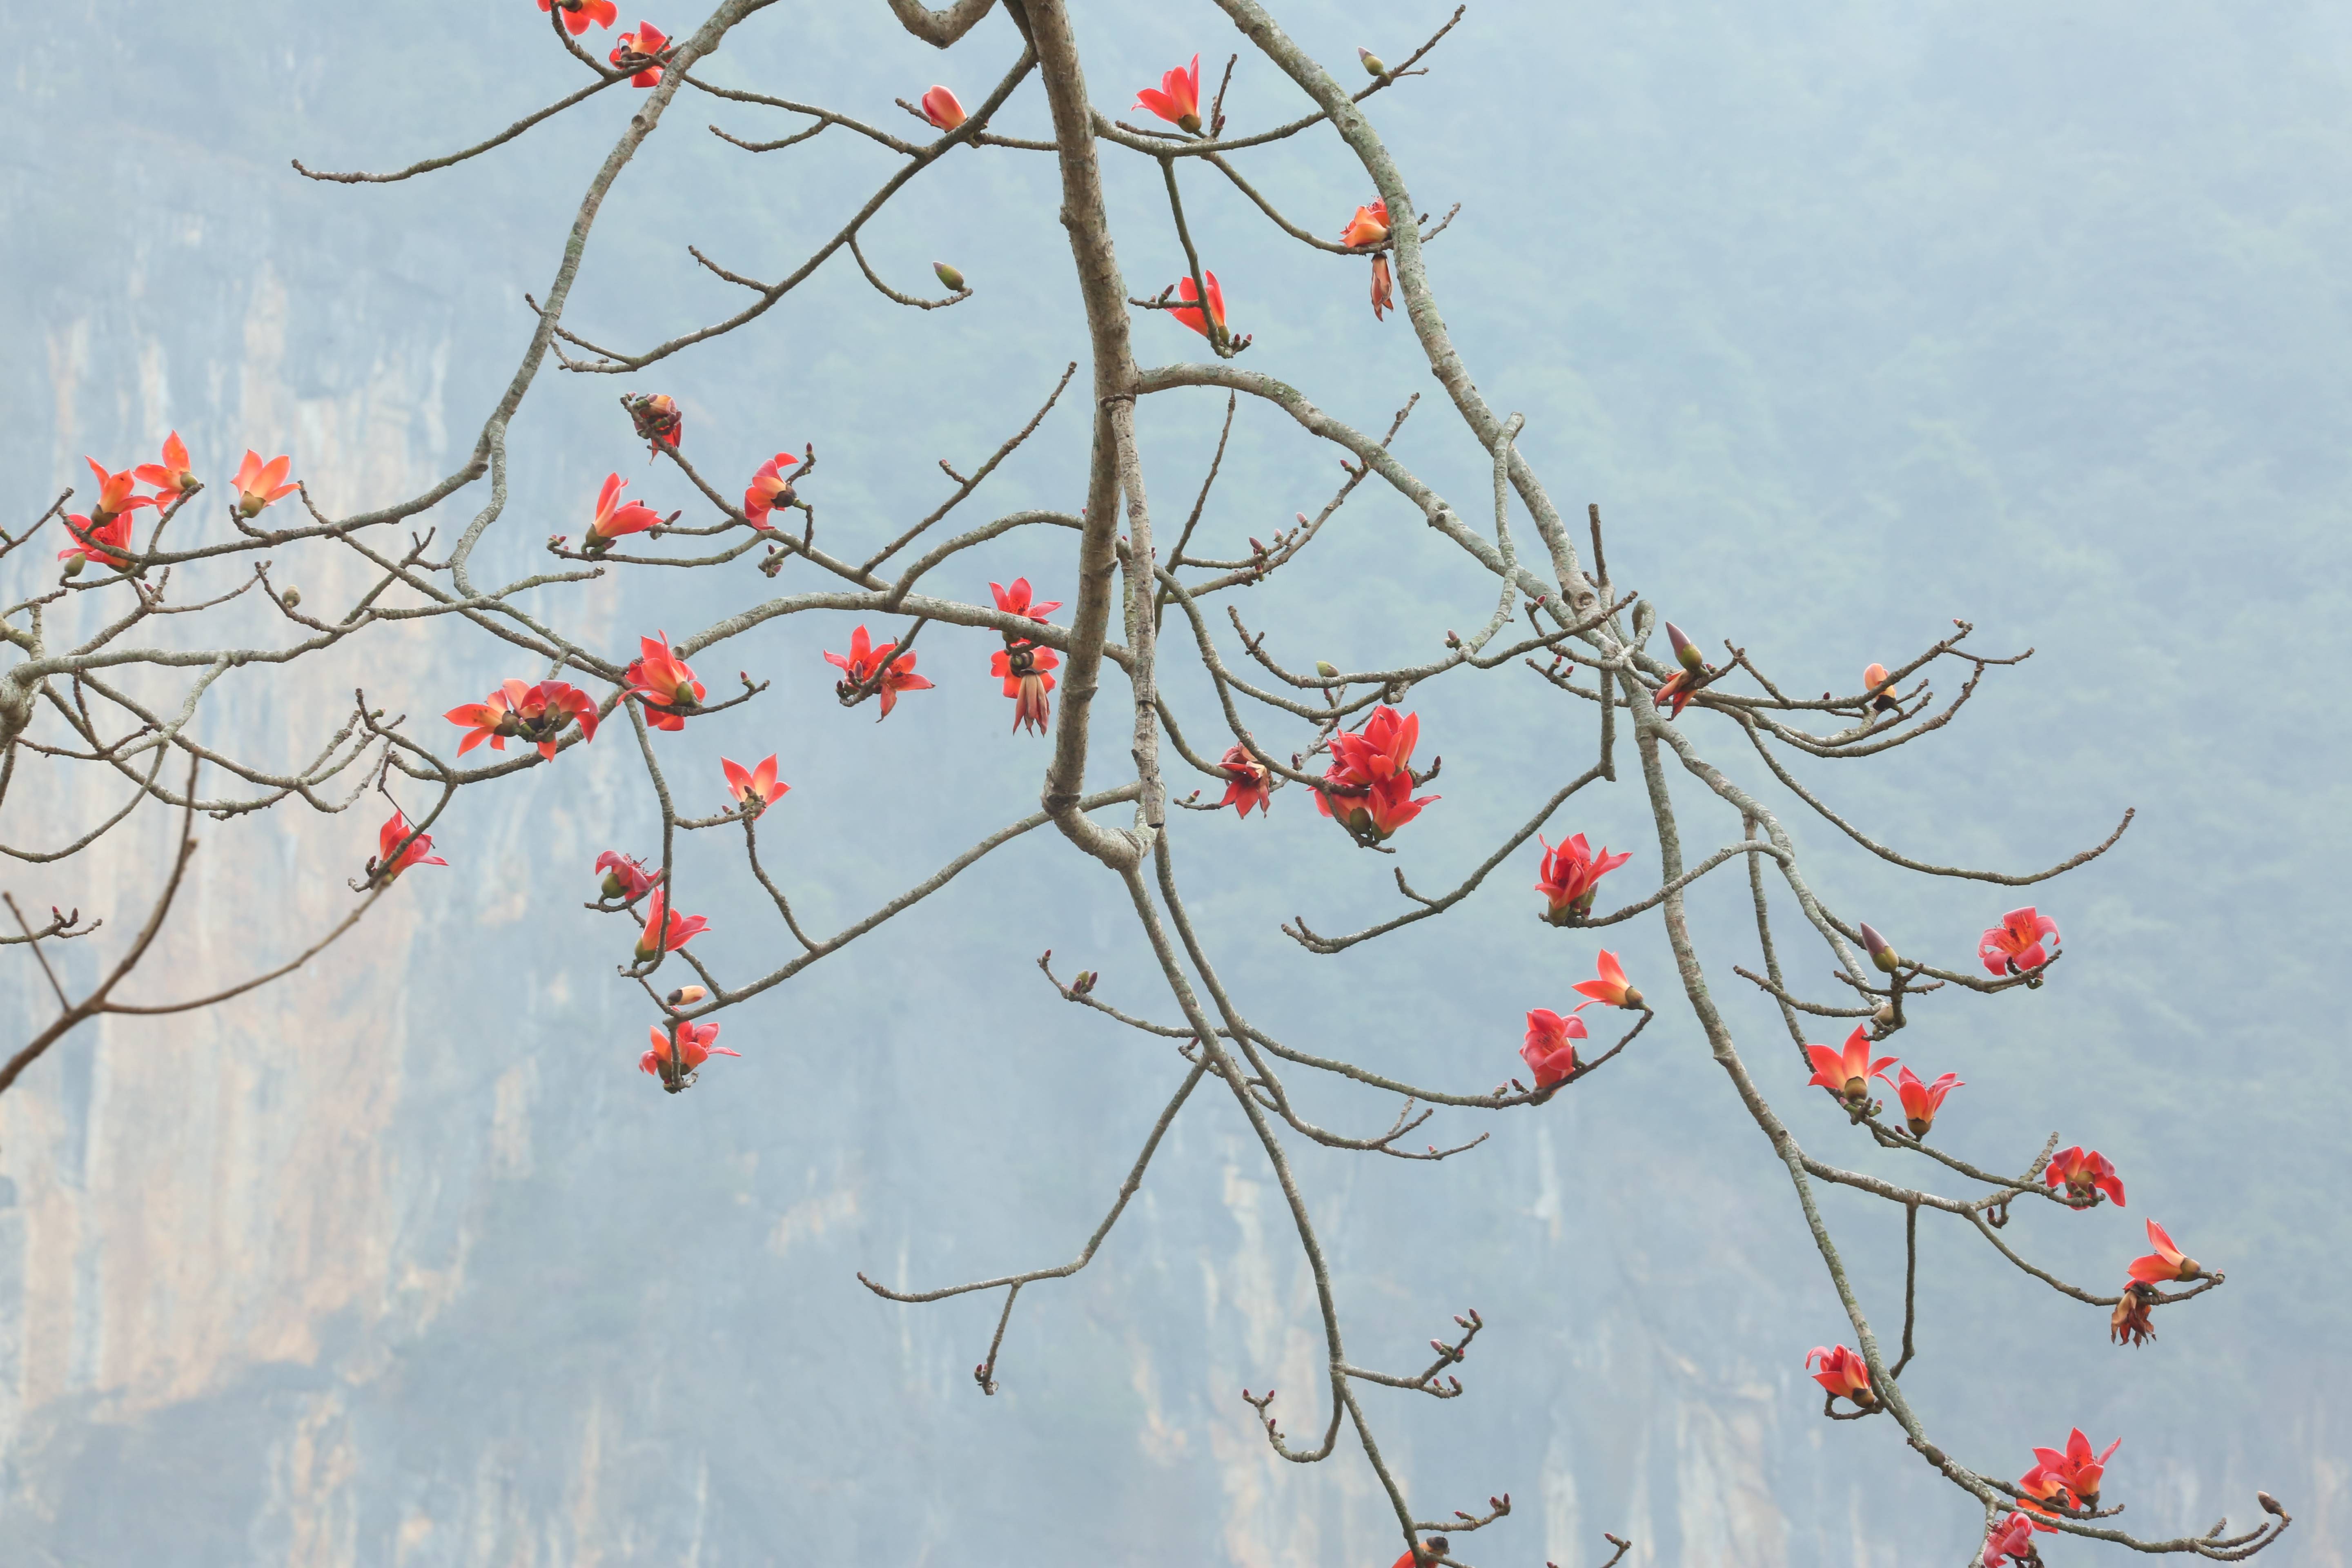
(949, 276)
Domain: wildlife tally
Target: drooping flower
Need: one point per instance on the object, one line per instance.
(2129, 1323)
(2166, 1264)
(578, 14)
(384, 868)
(659, 679)
(1384, 289)
(864, 659)
(770, 488)
(674, 1059)
(625, 877)
(1251, 785)
(1372, 776)
(538, 714)
(754, 790)
(259, 483)
(1551, 1049)
(940, 108)
(1571, 878)
(1015, 600)
(1025, 673)
(667, 930)
(2014, 946)
(2087, 1174)
(656, 420)
(1843, 1372)
(645, 44)
(1189, 311)
(1921, 1102)
(1177, 99)
(1847, 1073)
(2012, 1538)
(2078, 1467)
(171, 476)
(613, 519)
(1611, 987)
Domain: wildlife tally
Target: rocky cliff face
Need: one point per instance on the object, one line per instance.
(399, 1262)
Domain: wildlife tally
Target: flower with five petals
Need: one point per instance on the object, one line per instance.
(1177, 99)
(864, 659)
(2087, 1174)
(753, 790)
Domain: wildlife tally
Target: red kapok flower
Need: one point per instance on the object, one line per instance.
(1551, 1049)
(674, 1059)
(2045, 1492)
(2014, 946)
(667, 930)
(1015, 600)
(2078, 1467)
(940, 108)
(171, 476)
(769, 490)
(2166, 1264)
(613, 519)
(103, 541)
(2012, 1538)
(1023, 670)
(648, 42)
(657, 419)
(259, 483)
(1571, 878)
(1372, 773)
(1177, 99)
(1921, 1102)
(2086, 1173)
(2129, 1323)
(536, 713)
(625, 877)
(755, 790)
(578, 14)
(659, 679)
(864, 659)
(1847, 1073)
(1189, 311)
(1611, 987)
(1843, 1372)
(1252, 786)
(384, 868)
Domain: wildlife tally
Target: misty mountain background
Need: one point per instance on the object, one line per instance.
(1854, 322)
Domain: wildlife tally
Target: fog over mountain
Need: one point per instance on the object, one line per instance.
(1853, 321)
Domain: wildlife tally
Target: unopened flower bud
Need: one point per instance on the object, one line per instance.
(1882, 952)
(1884, 1015)
(1327, 669)
(1685, 650)
(291, 599)
(74, 565)
(949, 276)
(612, 887)
(687, 995)
(1372, 62)
(1874, 677)
(1084, 984)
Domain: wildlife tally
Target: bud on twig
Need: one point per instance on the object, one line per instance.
(1882, 952)
(1685, 650)
(949, 276)
(1327, 669)
(1084, 984)
(1372, 62)
(687, 995)
(291, 599)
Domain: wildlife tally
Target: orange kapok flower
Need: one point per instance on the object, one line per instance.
(864, 659)
(1372, 773)
(1016, 600)
(1251, 785)
(659, 679)
(538, 714)
(1551, 1049)
(114, 497)
(259, 483)
(769, 490)
(645, 44)
(103, 541)
(625, 877)
(1177, 99)
(613, 519)
(2014, 946)
(384, 868)
(940, 108)
(578, 14)
(2077, 1466)
(667, 930)
(1383, 290)
(2012, 1538)
(1571, 878)
(1611, 987)
(2087, 1174)
(1843, 1372)
(1847, 1073)
(1921, 1102)
(1875, 682)
(1189, 311)
(675, 1058)
(2166, 1264)
(1369, 226)
(755, 790)
(171, 476)
(2129, 1323)
(1024, 671)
